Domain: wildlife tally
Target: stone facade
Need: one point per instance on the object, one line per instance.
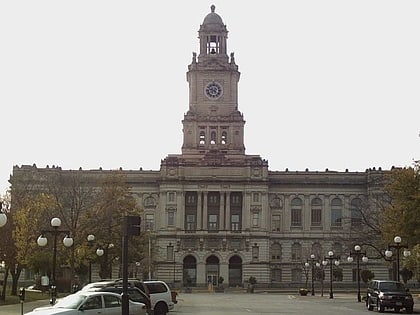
(215, 211)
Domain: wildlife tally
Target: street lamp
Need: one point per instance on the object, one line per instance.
(397, 246)
(42, 241)
(3, 217)
(357, 253)
(107, 273)
(330, 258)
(312, 264)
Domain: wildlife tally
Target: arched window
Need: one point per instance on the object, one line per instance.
(276, 251)
(296, 252)
(317, 250)
(336, 212)
(337, 249)
(316, 212)
(202, 137)
(213, 137)
(224, 137)
(296, 212)
(356, 212)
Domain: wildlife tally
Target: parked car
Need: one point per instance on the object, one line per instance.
(134, 294)
(89, 303)
(98, 284)
(160, 295)
(385, 294)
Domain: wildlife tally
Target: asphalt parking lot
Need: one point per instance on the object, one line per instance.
(267, 303)
(264, 303)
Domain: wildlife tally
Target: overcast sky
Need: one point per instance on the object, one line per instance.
(324, 84)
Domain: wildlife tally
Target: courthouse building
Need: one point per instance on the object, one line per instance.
(214, 210)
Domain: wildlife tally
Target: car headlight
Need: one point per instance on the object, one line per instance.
(384, 296)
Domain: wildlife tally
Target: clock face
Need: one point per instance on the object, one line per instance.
(213, 90)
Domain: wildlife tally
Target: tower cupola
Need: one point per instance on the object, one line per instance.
(213, 35)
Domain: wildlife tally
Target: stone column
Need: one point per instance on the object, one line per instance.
(199, 207)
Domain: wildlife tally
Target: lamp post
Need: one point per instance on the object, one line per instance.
(42, 241)
(330, 259)
(3, 217)
(397, 246)
(357, 253)
(320, 267)
(311, 263)
(90, 239)
(150, 257)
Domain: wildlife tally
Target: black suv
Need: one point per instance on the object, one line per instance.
(384, 294)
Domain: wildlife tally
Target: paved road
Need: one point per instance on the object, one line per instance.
(243, 303)
(269, 304)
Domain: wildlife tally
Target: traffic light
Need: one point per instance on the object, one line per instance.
(132, 225)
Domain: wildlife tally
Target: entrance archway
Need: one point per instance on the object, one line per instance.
(235, 271)
(212, 270)
(189, 271)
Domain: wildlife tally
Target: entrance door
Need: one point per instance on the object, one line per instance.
(212, 270)
(212, 278)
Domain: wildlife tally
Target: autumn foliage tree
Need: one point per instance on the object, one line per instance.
(402, 216)
(113, 202)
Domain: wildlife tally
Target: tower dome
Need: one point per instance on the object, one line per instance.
(213, 22)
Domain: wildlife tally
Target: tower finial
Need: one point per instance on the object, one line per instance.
(213, 7)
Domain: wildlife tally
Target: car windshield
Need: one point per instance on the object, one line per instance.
(391, 286)
(70, 301)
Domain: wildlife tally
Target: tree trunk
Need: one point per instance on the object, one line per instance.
(3, 291)
(15, 279)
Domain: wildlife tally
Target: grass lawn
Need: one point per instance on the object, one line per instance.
(29, 296)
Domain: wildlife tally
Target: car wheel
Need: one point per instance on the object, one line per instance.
(380, 307)
(409, 310)
(369, 304)
(160, 309)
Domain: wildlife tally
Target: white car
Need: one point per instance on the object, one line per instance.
(160, 296)
(89, 303)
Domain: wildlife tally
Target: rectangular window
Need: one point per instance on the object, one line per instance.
(255, 253)
(191, 198)
(236, 199)
(296, 217)
(170, 253)
(275, 223)
(255, 219)
(190, 226)
(235, 221)
(150, 221)
(316, 218)
(256, 197)
(171, 197)
(213, 224)
(171, 218)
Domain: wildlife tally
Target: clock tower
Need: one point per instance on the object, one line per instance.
(213, 123)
